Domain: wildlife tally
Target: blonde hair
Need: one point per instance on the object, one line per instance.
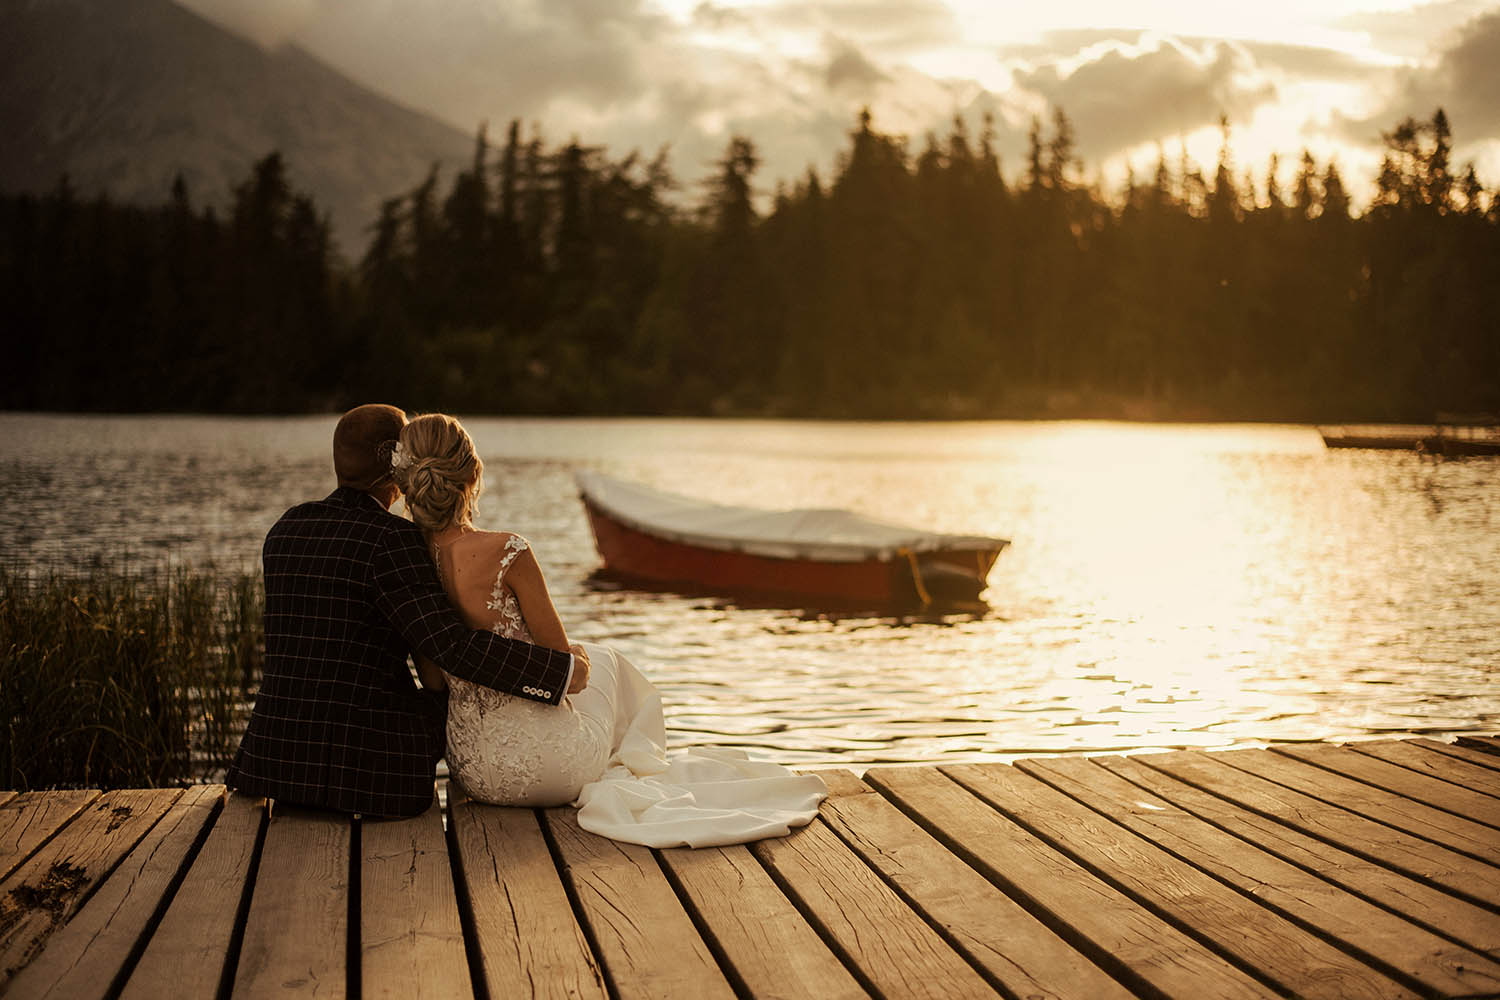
(439, 472)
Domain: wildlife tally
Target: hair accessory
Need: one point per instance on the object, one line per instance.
(400, 457)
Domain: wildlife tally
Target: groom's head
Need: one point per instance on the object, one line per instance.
(362, 444)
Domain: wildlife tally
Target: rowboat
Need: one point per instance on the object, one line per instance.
(647, 535)
(1449, 436)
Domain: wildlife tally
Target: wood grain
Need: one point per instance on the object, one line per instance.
(647, 944)
(185, 957)
(1011, 947)
(1479, 758)
(1419, 958)
(89, 956)
(1468, 804)
(759, 934)
(1255, 937)
(1413, 856)
(1443, 764)
(1487, 744)
(44, 892)
(1417, 818)
(1148, 954)
(890, 947)
(296, 934)
(1415, 899)
(528, 939)
(411, 941)
(28, 819)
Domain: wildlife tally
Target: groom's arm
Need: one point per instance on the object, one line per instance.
(409, 595)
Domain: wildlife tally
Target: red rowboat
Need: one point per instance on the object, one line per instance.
(663, 538)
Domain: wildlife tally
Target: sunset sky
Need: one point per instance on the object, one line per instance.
(1328, 75)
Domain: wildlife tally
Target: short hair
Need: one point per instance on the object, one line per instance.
(362, 444)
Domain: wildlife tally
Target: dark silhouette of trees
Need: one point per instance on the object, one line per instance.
(545, 279)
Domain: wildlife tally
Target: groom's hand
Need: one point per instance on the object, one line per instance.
(580, 668)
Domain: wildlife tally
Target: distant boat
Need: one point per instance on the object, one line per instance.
(1449, 435)
(663, 538)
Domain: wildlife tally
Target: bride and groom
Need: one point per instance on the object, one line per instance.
(524, 717)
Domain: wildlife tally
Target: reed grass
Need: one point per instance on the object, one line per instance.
(124, 675)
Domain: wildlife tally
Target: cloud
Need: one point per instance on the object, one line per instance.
(1409, 32)
(1121, 95)
(1464, 80)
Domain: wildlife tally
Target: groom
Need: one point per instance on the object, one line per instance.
(351, 591)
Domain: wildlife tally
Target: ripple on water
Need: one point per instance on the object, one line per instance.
(1167, 586)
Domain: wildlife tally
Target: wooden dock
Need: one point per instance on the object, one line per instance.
(1371, 870)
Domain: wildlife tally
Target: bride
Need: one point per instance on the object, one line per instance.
(602, 749)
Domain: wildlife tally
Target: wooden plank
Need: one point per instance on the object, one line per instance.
(1146, 953)
(646, 942)
(1487, 744)
(185, 958)
(1435, 825)
(28, 819)
(1489, 761)
(889, 948)
(1401, 780)
(1419, 958)
(1297, 961)
(296, 935)
(1457, 873)
(1010, 947)
(411, 941)
(1458, 919)
(527, 938)
(88, 958)
(756, 932)
(1436, 760)
(44, 892)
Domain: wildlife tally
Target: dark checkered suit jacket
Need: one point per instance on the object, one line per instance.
(339, 722)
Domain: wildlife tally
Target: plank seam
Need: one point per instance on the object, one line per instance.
(1076, 939)
(154, 920)
(466, 919)
(7, 873)
(1374, 961)
(1366, 815)
(1315, 834)
(1372, 900)
(1161, 913)
(1354, 747)
(732, 974)
(353, 953)
(1437, 755)
(580, 915)
(826, 935)
(242, 913)
(938, 928)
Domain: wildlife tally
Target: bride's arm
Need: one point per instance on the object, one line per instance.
(525, 580)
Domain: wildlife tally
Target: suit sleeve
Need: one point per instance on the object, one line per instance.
(409, 595)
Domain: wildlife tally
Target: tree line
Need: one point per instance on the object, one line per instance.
(926, 283)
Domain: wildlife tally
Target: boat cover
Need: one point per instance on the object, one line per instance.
(819, 534)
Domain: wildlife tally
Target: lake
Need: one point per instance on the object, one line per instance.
(1166, 586)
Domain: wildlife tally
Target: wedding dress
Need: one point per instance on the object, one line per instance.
(603, 751)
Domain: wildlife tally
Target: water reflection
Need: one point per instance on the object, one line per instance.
(1165, 587)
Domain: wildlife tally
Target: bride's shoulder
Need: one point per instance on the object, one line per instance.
(503, 546)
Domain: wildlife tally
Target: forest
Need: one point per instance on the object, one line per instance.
(910, 283)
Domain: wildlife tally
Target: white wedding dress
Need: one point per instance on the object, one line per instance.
(603, 751)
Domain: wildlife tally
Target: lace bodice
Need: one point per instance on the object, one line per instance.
(511, 750)
(510, 623)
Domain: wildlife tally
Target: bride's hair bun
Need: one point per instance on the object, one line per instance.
(439, 472)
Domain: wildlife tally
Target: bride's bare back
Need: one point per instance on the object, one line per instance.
(487, 574)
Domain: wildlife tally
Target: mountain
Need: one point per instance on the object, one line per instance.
(121, 95)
